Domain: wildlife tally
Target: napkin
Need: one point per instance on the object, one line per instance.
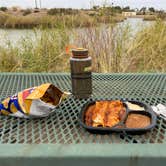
(160, 109)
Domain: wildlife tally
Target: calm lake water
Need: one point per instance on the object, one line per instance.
(14, 35)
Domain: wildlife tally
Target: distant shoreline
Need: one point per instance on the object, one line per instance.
(42, 19)
(67, 18)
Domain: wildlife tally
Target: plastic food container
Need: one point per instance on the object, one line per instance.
(121, 126)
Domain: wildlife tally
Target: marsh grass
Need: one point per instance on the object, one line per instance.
(44, 53)
(107, 45)
(32, 20)
(46, 21)
(150, 17)
(117, 49)
(113, 49)
(147, 51)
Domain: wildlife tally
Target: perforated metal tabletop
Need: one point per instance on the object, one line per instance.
(62, 130)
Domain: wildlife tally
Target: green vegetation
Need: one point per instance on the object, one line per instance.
(161, 15)
(117, 50)
(113, 49)
(62, 11)
(44, 53)
(107, 46)
(148, 50)
(4, 9)
(151, 9)
(22, 22)
(33, 20)
(57, 17)
(150, 18)
(26, 12)
(60, 17)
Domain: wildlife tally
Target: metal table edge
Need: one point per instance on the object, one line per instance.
(68, 73)
(83, 150)
(83, 154)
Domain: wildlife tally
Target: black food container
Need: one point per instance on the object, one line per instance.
(121, 126)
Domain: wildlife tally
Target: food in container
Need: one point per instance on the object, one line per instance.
(137, 121)
(115, 115)
(132, 106)
(105, 113)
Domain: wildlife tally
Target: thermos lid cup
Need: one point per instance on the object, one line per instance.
(80, 53)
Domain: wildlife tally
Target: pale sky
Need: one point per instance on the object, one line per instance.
(159, 4)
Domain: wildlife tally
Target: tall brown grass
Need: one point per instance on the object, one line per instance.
(147, 51)
(45, 21)
(43, 53)
(107, 46)
(113, 49)
(51, 21)
(117, 49)
(150, 17)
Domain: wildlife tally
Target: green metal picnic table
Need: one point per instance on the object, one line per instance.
(60, 140)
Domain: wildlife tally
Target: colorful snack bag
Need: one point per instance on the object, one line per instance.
(34, 102)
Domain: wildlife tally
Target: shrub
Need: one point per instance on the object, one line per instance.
(26, 12)
(4, 9)
(62, 11)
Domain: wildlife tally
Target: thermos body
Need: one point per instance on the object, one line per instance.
(81, 76)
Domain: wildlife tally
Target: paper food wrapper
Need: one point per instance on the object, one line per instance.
(34, 102)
